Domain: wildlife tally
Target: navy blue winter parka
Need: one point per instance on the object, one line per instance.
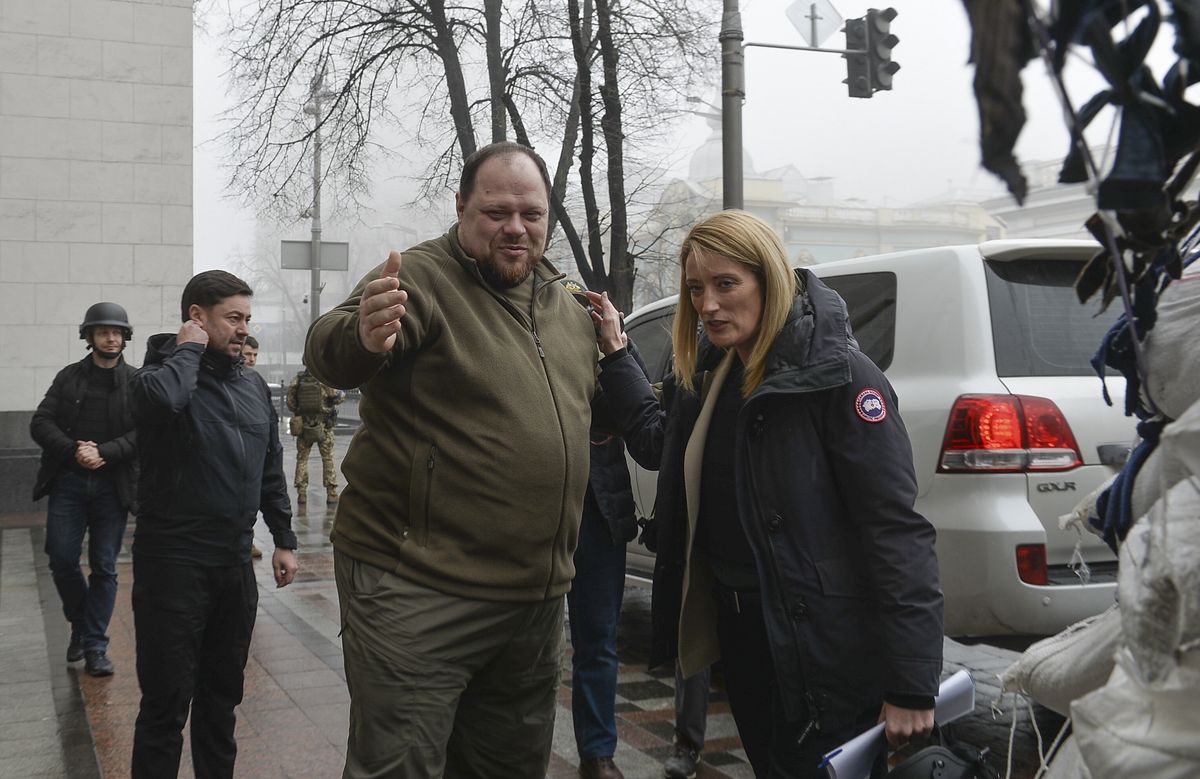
(210, 454)
(825, 490)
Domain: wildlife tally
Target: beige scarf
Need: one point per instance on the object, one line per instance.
(698, 646)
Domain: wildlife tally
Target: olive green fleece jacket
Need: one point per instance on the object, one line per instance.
(469, 470)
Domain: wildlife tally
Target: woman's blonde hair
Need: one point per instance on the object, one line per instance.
(749, 241)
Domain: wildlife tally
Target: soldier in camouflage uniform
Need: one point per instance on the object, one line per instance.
(315, 404)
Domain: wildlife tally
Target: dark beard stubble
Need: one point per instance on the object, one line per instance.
(507, 276)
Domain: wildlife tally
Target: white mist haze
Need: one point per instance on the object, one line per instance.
(916, 142)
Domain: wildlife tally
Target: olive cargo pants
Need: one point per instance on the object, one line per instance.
(442, 685)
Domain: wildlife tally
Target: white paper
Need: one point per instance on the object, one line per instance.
(853, 760)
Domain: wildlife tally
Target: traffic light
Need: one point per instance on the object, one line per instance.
(880, 42)
(858, 68)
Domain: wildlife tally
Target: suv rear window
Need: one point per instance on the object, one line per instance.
(1039, 327)
(870, 299)
(653, 338)
(871, 302)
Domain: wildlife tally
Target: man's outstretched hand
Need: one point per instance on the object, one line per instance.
(381, 308)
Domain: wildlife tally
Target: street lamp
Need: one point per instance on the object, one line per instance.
(703, 102)
(313, 108)
(402, 229)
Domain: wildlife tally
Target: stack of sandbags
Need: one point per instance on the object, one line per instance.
(1142, 719)
(1057, 670)
(1145, 721)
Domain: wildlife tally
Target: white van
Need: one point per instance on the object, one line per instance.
(988, 349)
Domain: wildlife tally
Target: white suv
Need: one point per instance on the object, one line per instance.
(987, 348)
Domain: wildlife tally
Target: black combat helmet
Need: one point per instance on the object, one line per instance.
(106, 314)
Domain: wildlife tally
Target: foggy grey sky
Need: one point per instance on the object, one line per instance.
(914, 142)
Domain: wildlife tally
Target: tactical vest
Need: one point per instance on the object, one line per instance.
(310, 400)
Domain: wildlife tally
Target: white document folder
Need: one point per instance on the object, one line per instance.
(853, 760)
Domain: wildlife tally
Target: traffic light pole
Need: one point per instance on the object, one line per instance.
(733, 94)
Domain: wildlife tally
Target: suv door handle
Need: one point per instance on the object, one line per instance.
(1114, 454)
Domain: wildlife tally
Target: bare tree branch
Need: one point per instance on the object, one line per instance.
(411, 78)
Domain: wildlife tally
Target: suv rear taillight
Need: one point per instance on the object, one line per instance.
(1031, 564)
(1007, 433)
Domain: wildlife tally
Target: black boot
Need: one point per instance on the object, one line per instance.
(98, 663)
(75, 648)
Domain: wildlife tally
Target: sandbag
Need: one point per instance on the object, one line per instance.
(1180, 446)
(1172, 349)
(1158, 585)
(1067, 763)
(1149, 486)
(1127, 729)
(1063, 667)
(1083, 516)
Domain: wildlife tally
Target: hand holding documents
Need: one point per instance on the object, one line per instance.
(853, 760)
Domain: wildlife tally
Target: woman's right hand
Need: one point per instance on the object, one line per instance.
(610, 336)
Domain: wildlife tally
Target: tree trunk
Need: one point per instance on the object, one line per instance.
(620, 264)
(497, 73)
(566, 156)
(556, 200)
(581, 43)
(456, 85)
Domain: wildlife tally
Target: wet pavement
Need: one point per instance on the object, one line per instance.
(55, 721)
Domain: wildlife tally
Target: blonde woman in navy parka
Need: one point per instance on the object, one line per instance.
(788, 546)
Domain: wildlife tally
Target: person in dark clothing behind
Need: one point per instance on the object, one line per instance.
(788, 546)
(594, 603)
(89, 469)
(249, 360)
(211, 459)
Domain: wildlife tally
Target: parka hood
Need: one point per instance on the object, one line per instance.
(812, 351)
(159, 347)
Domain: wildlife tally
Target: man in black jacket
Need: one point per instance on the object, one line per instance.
(211, 459)
(594, 602)
(85, 428)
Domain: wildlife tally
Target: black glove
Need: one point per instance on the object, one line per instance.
(649, 537)
(628, 529)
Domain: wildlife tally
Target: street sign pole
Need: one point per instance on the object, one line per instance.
(815, 20)
(298, 255)
(814, 17)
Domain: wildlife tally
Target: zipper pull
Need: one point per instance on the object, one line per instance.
(538, 341)
(814, 712)
(808, 729)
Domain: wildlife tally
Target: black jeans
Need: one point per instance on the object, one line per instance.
(772, 741)
(193, 627)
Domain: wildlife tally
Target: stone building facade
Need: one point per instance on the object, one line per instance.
(95, 189)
